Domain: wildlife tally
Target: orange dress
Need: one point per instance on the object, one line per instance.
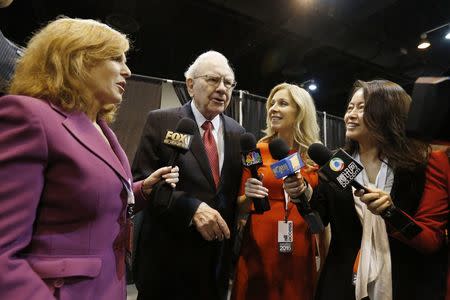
(262, 272)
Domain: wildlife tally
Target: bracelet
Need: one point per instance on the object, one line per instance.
(305, 183)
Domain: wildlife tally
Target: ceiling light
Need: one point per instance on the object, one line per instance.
(312, 86)
(447, 36)
(309, 84)
(424, 42)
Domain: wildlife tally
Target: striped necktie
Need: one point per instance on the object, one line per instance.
(211, 150)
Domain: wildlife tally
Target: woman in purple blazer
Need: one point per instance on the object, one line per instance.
(66, 182)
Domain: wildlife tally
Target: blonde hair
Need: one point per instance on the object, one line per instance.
(306, 129)
(57, 62)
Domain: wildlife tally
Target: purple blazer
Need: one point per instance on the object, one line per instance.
(62, 204)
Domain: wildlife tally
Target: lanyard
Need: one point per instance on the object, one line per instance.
(130, 198)
(287, 211)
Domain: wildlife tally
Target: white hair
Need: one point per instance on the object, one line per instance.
(209, 55)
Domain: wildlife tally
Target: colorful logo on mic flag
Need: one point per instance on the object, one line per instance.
(341, 169)
(252, 158)
(287, 166)
(295, 161)
(336, 164)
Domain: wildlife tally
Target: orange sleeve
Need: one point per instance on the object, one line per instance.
(245, 175)
(311, 175)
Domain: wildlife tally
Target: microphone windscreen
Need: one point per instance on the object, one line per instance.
(319, 153)
(186, 125)
(278, 149)
(248, 142)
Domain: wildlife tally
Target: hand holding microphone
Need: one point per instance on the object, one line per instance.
(377, 201)
(251, 159)
(287, 167)
(340, 170)
(180, 141)
(168, 175)
(295, 186)
(255, 189)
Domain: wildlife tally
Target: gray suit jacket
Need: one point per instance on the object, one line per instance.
(9, 53)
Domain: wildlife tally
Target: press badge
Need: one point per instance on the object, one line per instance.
(285, 236)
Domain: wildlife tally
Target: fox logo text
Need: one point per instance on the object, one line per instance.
(179, 140)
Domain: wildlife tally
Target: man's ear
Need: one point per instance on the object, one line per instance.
(190, 86)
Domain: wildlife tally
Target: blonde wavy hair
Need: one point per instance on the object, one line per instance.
(57, 61)
(306, 129)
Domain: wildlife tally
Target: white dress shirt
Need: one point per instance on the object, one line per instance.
(217, 131)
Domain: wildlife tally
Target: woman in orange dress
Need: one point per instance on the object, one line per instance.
(262, 271)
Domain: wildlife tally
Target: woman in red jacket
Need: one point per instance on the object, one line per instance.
(368, 257)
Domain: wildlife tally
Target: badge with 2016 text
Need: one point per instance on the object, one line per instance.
(285, 236)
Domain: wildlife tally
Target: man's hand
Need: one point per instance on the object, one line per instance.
(210, 223)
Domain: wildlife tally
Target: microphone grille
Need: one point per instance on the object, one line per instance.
(248, 142)
(278, 149)
(319, 153)
(186, 125)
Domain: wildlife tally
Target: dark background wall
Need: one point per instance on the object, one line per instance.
(267, 41)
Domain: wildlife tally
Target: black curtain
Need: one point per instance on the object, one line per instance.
(254, 114)
(334, 128)
(233, 108)
(320, 123)
(181, 91)
(142, 95)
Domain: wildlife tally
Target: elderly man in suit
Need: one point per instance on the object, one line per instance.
(9, 53)
(184, 249)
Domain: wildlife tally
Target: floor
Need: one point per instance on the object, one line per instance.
(131, 292)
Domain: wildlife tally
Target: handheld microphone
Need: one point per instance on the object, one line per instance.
(251, 159)
(180, 141)
(340, 170)
(286, 166)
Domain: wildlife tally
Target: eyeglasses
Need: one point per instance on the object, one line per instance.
(214, 80)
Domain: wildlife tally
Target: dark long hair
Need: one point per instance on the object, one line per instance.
(385, 112)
